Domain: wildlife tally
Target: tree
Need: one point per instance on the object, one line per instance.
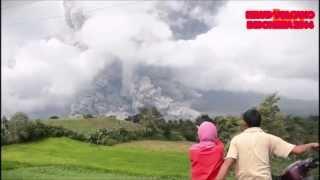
(134, 118)
(188, 130)
(302, 130)
(151, 118)
(19, 116)
(4, 122)
(18, 127)
(88, 116)
(297, 129)
(272, 118)
(4, 130)
(54, 117)
(227, 127)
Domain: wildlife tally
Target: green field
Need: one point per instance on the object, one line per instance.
(92, 124)
(63, 158)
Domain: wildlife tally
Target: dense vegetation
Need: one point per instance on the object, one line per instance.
(149, 124)
(90, 125)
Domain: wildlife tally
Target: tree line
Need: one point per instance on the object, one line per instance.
(295, 129)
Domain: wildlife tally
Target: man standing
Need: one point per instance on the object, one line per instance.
(251, 150)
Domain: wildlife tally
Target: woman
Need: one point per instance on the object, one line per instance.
(207, 156)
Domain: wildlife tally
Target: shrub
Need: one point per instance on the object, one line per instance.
(113, 136)
(17, 128)
(77, 136)
(108, 141)
(4, 130)
(4, 136)
(176, 136)
(54, 117)
(87, 116)
(19, 116)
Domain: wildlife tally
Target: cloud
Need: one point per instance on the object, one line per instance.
(43, 68)
(229, 57)
(187, 19)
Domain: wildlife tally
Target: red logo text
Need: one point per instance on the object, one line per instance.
(279, 19)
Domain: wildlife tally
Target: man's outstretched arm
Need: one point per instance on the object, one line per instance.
(299, 149)
(225, 168)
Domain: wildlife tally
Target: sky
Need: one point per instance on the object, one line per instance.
(53, 49)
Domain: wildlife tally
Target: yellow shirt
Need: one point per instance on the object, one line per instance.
(252, 149)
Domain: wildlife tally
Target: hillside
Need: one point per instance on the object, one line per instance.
(92, 124)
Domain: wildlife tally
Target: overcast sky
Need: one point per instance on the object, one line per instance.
(50, 50)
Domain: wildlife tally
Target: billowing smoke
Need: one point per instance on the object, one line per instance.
(187, 19)
(149, 86)
(128, 88)
(74, 16)
(105, 57)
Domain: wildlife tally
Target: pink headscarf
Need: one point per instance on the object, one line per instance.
(207, 133)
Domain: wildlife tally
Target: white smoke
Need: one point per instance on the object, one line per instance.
(48, 61)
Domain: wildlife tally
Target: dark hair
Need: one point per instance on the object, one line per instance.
(252, 117)
(204, 118)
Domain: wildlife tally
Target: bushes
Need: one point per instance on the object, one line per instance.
(4, 137)
(54, 117)
(16, 129)
(108, 141)
(295, 129)
(180, 130)
(21, 129)
(112, 136)
(175, 136)
(88, 116)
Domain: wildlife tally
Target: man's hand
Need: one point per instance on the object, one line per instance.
(315, 146)
(224, 169)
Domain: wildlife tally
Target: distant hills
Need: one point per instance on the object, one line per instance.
(234, 103)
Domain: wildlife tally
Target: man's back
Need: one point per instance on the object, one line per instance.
(252, 149)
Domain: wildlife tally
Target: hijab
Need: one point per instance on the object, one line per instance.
(207, 133)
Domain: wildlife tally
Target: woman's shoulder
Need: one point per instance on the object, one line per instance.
(219, 142)
(194, 146)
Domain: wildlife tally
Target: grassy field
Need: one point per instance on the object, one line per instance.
(63, 158)
(92, 124)
(159, 146)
